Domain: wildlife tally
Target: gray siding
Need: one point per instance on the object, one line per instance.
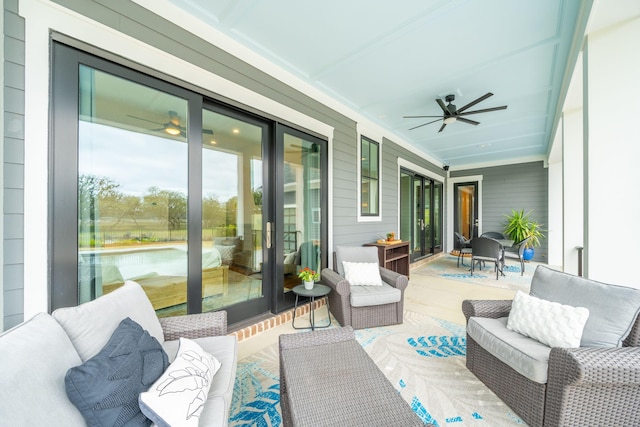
(13, 166)
(518, 186)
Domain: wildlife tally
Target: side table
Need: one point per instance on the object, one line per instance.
(318, 291)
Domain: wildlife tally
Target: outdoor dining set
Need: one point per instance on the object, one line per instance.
(492, 247)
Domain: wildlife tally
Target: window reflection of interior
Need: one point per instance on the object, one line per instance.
(302, 219)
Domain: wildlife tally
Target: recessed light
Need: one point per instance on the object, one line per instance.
(236, 131)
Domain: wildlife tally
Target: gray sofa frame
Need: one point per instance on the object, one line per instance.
(586, 386)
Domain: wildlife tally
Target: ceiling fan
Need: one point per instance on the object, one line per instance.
(453, 114)
(173, 126)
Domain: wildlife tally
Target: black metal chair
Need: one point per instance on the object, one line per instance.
(493, 235)
(516, 251)
(463, 246)
(485, 249)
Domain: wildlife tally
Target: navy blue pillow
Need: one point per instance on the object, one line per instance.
(106, 387)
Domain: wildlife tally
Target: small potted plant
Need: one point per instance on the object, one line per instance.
(308, 276)
(391, 236)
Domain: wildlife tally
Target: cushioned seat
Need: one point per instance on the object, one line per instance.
(525, 355)
(362, 296)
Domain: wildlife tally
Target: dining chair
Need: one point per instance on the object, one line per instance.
(463, 246)
(516, 251)
(493, 235)
(485, 249)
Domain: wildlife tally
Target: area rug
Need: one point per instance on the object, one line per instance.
(424, 358)
(446, 268)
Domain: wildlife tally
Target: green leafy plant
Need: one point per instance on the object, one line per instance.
(308, 275)
(520, 226)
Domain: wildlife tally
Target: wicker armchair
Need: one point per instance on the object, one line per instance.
(586, 386)
(340, 299)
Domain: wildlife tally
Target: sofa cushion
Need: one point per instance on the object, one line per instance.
(525, 355)
(225, 350)
(177, 398)
(362, 273)
(364, 296)
(90, 325)
(551, 323)
(34, 358)
(105, 388)
(612, 309)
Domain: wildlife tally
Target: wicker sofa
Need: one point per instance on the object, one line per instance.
(36, 355)
(584, 386)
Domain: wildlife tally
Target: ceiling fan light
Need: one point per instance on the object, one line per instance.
(171, 129)
(449, 120)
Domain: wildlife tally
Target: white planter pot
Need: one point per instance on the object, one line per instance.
(308, 285)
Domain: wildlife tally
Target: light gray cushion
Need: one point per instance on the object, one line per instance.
(106, 387)
(355, 254)
(225, 350)
(612, 309)
(525, 355)
(34, 358)
(364, 296)
(90, 325)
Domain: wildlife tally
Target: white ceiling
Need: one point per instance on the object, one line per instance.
(388, 59)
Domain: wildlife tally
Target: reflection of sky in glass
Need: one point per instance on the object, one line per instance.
(138, 161)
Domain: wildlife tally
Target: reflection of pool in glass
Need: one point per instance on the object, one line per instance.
(162, 270)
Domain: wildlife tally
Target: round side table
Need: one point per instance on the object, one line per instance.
(318, 291)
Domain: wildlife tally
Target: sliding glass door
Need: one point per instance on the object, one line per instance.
(207, 207)
(420, 214)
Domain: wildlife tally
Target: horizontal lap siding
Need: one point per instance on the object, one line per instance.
(13, 168)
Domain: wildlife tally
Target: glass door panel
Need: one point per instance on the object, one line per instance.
(437, 217)
(427, 247)
(232, 228)
(465, 209)
(417, 218)
(302, 207)
(132, 191)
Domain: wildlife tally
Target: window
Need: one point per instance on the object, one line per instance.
(369, 178)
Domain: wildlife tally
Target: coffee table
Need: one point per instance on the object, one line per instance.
(319, 291)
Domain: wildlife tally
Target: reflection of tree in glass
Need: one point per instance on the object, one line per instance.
(219, 217)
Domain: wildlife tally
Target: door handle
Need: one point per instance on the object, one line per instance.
(268, 235)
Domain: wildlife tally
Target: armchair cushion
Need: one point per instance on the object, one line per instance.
(551, 323)
(525, 355)
(355, 254)
(364, 296)
(362, 273)
(90, 325)
(612, 309)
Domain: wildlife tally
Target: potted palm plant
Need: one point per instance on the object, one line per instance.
(519, 227)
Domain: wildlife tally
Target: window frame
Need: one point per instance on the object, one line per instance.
(362, 216)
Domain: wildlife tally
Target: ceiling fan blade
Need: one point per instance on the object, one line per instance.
(418, 117)
(442, 127)
(142, 118)
(444, 107)
(424, 124)
(486, 110)
(471, 122)
(472, 103)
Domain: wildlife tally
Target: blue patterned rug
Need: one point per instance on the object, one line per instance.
(424, 358)
(446, 268)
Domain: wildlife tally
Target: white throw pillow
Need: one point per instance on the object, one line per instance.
(550, 323)
(362, 273)
(177, 398)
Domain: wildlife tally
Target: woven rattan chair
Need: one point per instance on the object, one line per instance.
(586, 386)
(340, 298)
